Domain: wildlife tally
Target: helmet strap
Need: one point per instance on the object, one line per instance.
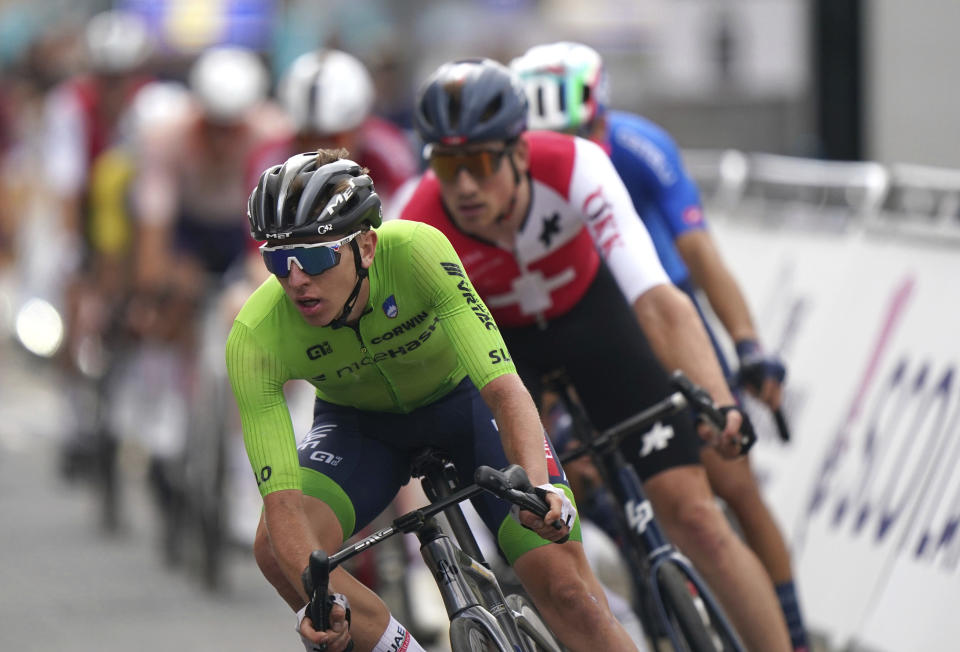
(362, 272)
(513, 197)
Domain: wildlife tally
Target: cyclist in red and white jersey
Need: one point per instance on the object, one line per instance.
(549, 237)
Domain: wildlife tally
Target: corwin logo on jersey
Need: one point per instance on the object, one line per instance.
(319, 350)
(390, 308)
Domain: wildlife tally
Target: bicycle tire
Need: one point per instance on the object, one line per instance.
(468, 635)
(536, 636)
(689, 621)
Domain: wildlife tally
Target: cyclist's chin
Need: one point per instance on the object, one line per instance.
(320, 314)
(475, 218)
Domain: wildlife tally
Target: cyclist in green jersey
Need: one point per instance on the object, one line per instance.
(385, 324)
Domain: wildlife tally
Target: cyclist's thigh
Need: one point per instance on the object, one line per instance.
(616, 374)
(345, 463)
(469, 434)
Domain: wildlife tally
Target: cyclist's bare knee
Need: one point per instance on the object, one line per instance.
(559, 579)
(685, 506)
(732, 480)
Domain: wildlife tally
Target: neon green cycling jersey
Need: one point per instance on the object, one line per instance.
(422, 331)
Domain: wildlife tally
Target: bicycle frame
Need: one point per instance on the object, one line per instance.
(637, 521)
(467, 585)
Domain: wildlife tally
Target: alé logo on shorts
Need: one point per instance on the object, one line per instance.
(390, 308)
(312, 440)
(639, 515)
(656, 439)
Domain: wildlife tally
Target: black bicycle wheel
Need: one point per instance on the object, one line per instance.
(467, 635)
(536, 636)
(690, 622)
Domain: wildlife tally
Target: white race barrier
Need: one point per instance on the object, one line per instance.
(868, 321)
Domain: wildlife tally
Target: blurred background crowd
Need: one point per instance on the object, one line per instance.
(132, 131)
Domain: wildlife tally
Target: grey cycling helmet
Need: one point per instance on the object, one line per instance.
(299, 199)
(471, 100)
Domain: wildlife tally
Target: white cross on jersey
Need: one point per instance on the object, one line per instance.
(532, 291)
(656, 439)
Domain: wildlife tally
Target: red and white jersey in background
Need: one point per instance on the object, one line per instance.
(579, 211)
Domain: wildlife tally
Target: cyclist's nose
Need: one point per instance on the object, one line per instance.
(297, 276)
(466, 183)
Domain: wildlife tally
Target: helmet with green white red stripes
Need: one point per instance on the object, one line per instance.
(566, 86)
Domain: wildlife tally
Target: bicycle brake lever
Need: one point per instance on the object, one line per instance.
(491, 479)
(699, 399)
(517, 478)
(319, 571)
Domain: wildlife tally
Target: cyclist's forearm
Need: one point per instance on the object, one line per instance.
(520, 429)
(290, 534)
(679, 340)
(711, 274)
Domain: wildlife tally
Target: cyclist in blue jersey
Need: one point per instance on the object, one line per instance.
(568, 91)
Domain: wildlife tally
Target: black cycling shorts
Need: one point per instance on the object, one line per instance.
(356, 460)
(607, 358)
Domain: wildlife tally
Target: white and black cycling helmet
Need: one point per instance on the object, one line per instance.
(471, 100)
(566, 85)
(228, 81)
(327, 92)
(117, 42)
(299, 199)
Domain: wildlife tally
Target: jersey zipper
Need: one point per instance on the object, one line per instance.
(364, 351)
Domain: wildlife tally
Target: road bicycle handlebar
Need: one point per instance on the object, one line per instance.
(687, 395)
(783, 428)
(703, 406)
(510, 484)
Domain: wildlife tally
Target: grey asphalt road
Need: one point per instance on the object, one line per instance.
(64, 585)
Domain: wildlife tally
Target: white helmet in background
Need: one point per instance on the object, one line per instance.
(566, 85)
(117, 41)
(327, 92)
(228, 81)
(155, 103)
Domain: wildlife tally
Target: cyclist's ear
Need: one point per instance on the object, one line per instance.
(367, 241)
(521, 155)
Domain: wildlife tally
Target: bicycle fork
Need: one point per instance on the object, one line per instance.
(456, 573)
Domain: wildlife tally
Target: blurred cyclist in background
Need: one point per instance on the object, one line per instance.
(188, 201)
(81, 118)
(567, 89)
(329, 95)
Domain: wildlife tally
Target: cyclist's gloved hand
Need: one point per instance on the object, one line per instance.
(561, 511)
(737, 436)
(761, 374)
(338, 614)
